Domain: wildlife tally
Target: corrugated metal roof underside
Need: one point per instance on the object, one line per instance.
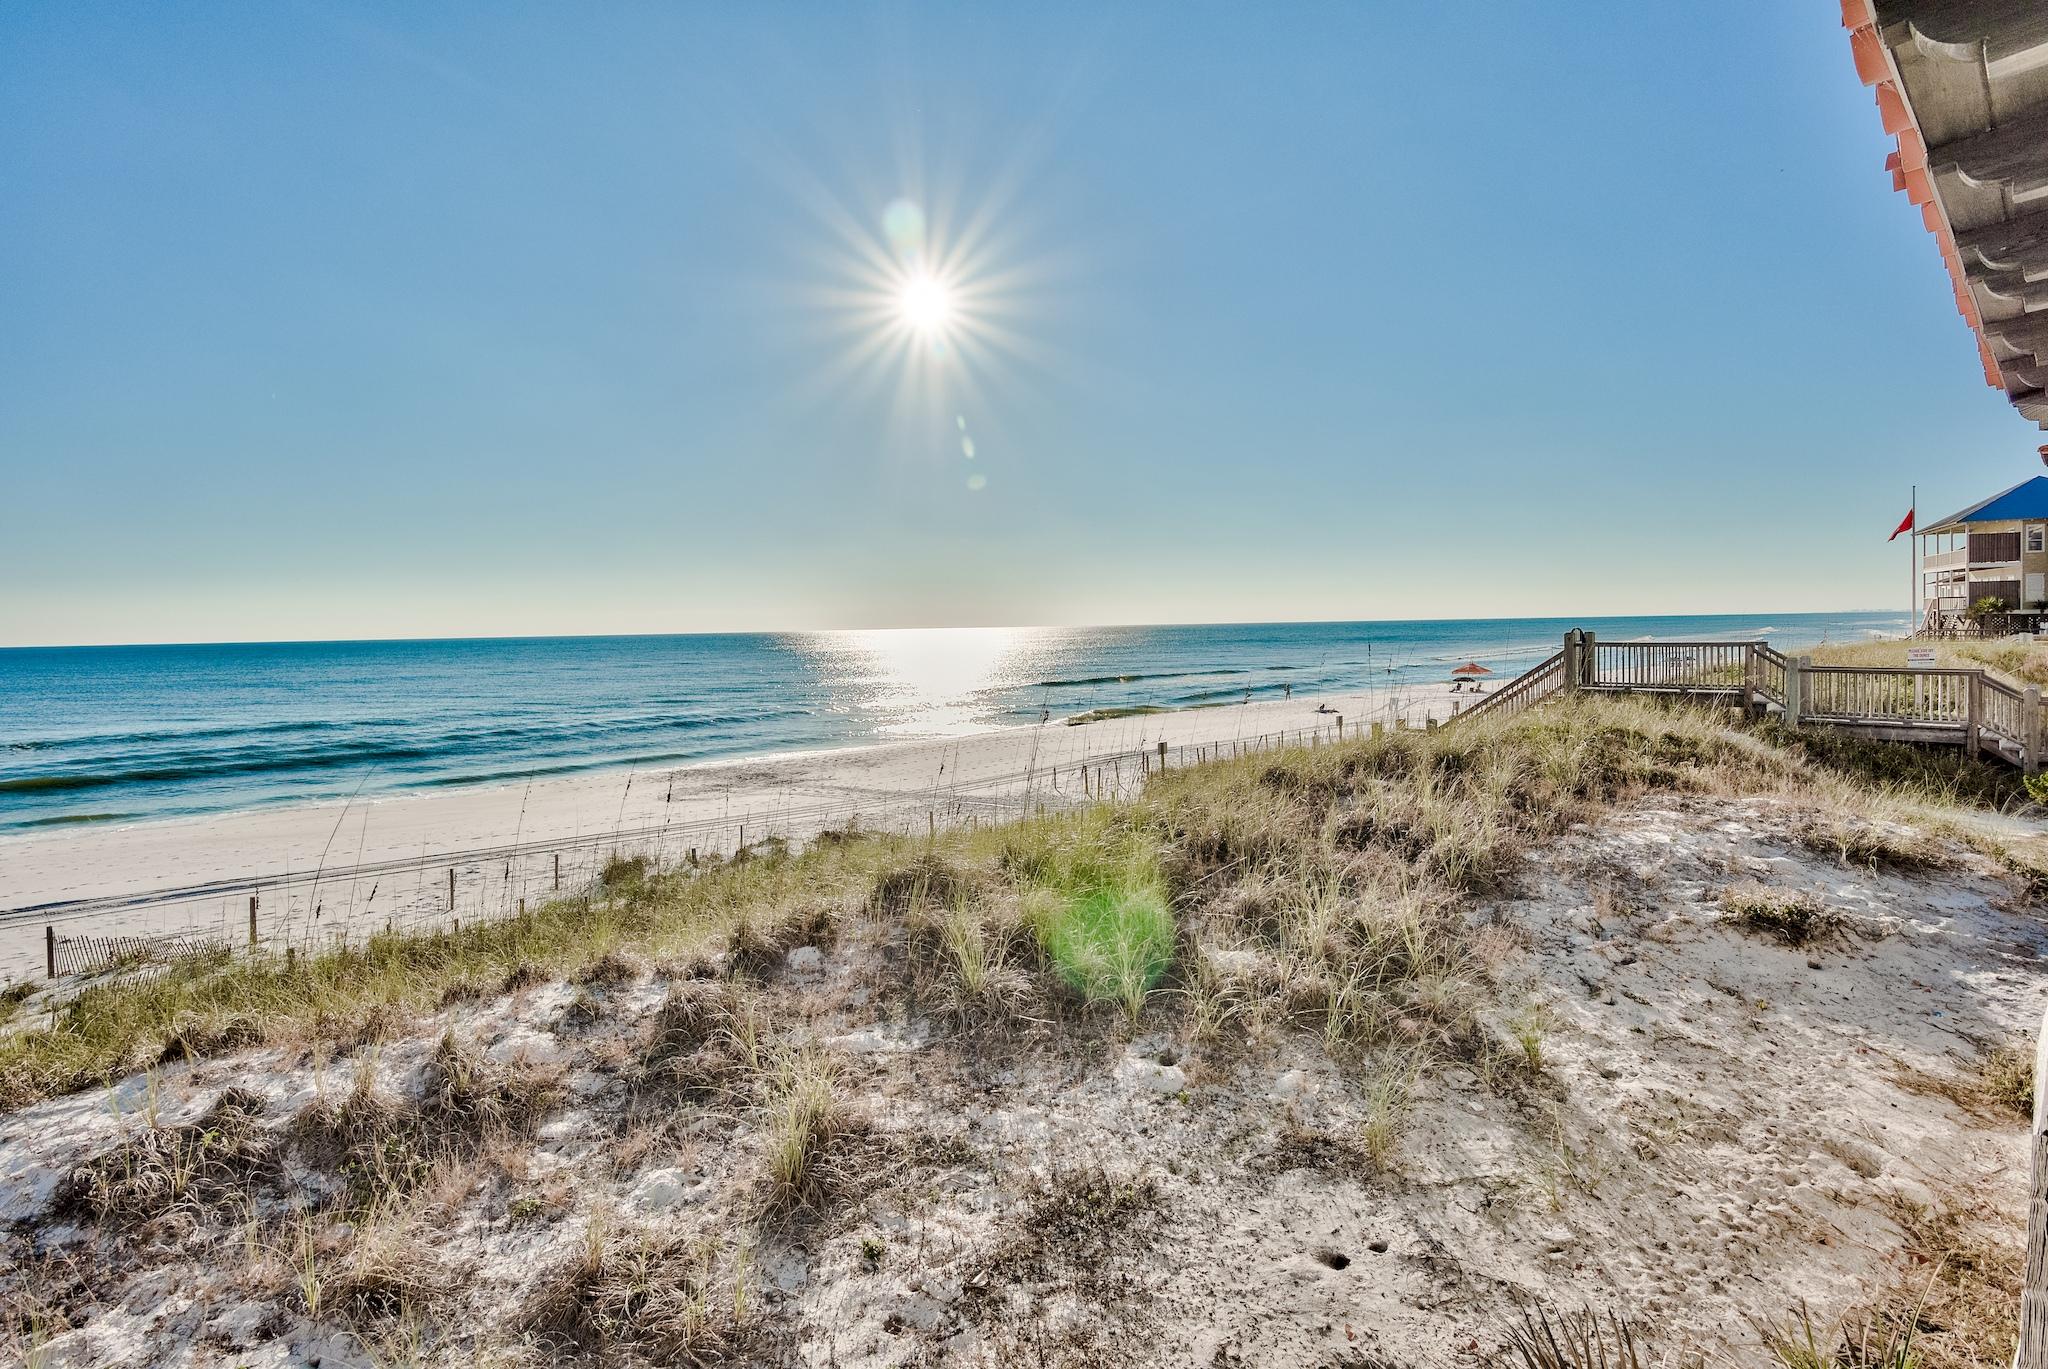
(1963, 84)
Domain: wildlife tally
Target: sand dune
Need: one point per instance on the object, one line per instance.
(193, 876)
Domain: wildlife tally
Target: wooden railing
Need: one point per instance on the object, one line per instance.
(1529, 688)
(2004, 712)
(1903, 703)
(1767, 673)
(1927, 695)
(1668, 665)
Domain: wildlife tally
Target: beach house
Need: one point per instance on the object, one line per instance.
(1995, 549)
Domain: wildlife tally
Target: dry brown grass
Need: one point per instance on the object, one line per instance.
(187, 1173)
(1795, 917)
(611, 970)
(1077, 1225)
(1955, 1304)
(698, 1047)
(759, 940)
(2005, 1078)
(386, 1147)
(657, 1295)
(1874, 844)
(389, 1270)
(1967, 1308)
(1584, 1339)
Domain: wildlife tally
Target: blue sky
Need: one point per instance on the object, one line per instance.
(343, 320)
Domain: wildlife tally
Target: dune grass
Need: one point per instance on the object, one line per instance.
(2018, 663)
(1339, 876)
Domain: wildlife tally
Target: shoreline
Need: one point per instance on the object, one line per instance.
(192, 875)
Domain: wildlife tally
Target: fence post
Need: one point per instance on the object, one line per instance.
(558, 869)
(1571, 660)
(1589, 660)
(1749, 679)
(2033, 1342)
(2030, 731)
(451, 886)
(1795, 689)
(50, 952)
(1969, 712)
(252, 919)
(1162, 758)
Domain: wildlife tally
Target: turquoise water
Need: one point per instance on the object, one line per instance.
(91, 734)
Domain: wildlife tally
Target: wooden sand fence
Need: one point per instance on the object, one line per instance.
(83, 955)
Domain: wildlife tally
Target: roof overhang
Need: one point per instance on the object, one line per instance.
(1963, 86)
(2026, 502)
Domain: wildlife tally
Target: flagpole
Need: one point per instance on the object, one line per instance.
(1913, 569)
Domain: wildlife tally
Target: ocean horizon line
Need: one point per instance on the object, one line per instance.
(171, 643)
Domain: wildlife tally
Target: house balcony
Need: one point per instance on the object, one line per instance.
(1946, 560)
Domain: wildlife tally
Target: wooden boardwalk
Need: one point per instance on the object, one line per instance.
(1931, 705)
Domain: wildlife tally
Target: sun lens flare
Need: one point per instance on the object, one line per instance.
(926, 306)
(925, 303)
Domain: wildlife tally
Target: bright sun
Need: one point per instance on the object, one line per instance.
(925, 303)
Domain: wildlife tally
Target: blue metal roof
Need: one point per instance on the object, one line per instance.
(2028, 499)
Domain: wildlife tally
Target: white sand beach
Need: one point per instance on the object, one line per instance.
(193, 876)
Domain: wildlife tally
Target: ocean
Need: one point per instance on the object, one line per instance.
(105, 734)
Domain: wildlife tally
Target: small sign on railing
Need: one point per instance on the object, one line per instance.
(1920, 658)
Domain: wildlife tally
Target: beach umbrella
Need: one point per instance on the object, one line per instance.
(1471, 668)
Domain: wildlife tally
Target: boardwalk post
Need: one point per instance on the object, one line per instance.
(1795, 689)
(252, 919)
(2030, 731)
(1971, 688)
(50, 952)
(1589, 659)
(2033, 1342)
(1571, 660)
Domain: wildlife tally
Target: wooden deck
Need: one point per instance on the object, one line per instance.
(1932, 706)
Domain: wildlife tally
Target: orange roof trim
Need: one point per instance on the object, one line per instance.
(1908, 165)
